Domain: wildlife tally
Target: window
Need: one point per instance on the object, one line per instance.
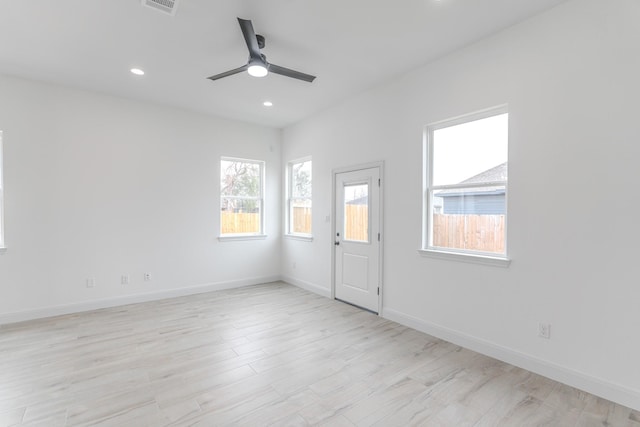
(241, 201)
(356, 212)
(1, 197)
(299, 198)
(465, 185)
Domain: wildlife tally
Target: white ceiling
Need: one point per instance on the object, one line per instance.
(351, 45)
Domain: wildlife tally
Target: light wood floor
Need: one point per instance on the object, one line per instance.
(262, 355)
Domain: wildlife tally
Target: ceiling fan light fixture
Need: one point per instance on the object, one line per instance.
(258, 65)
(257, 70)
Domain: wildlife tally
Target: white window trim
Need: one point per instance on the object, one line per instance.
(2, 240)
(305, 237)
(244, 236)
(301, 237)
(238, 237)
(473, 258)
(427, 250)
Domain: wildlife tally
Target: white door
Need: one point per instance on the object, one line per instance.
(357, 237)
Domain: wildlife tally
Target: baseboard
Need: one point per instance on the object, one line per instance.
(21, 316)
(311, 287)
(607, 390)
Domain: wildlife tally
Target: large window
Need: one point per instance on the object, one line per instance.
(465, 180)
(241, 201)
(1, 196)
(299, 198)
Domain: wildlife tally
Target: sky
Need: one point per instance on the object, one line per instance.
(465, 150)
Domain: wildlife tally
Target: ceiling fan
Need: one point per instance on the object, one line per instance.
(257, 65)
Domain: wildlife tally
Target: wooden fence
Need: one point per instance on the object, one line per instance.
(237, 222)
(475, 232)
(356, 218)
(234, 222)
(301, 220)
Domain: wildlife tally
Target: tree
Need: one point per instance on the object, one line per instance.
(239, 182)
(301, 180)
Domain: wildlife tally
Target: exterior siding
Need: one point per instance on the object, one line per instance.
(493, 204)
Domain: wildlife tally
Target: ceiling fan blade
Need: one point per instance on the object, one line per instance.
(229, 73)
(250, 38)
(290, 73)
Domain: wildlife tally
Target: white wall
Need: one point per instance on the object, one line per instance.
(98, 186)
(570, 78)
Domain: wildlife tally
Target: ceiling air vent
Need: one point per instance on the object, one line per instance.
(167, 6)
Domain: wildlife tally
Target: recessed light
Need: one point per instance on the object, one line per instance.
(267, 104)
(137, 71)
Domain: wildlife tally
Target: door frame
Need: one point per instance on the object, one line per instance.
(334, 207)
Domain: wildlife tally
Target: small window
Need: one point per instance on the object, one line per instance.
(465, 180)
(356, 213)
(241, 201)
(299, 198)
(1, 196)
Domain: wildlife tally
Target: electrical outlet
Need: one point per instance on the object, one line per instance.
(147, 277)
(544, 330)
(124, 279)
(91, 282)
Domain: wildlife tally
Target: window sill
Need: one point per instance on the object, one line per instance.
(237, 237)
(299, 237)
(471, 258)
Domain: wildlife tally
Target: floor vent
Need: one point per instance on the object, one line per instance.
(167, 6)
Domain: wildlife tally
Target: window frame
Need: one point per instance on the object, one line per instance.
(2, 239)
(344, 231)
(454, 254)
(289, 200)
(260, 199)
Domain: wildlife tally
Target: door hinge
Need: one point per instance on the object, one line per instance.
(378, 237)
(378, 182)
(378, 291)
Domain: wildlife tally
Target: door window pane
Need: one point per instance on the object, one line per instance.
(356, 212)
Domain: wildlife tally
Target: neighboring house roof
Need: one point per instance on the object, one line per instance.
(496, 173)
(359, 201)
